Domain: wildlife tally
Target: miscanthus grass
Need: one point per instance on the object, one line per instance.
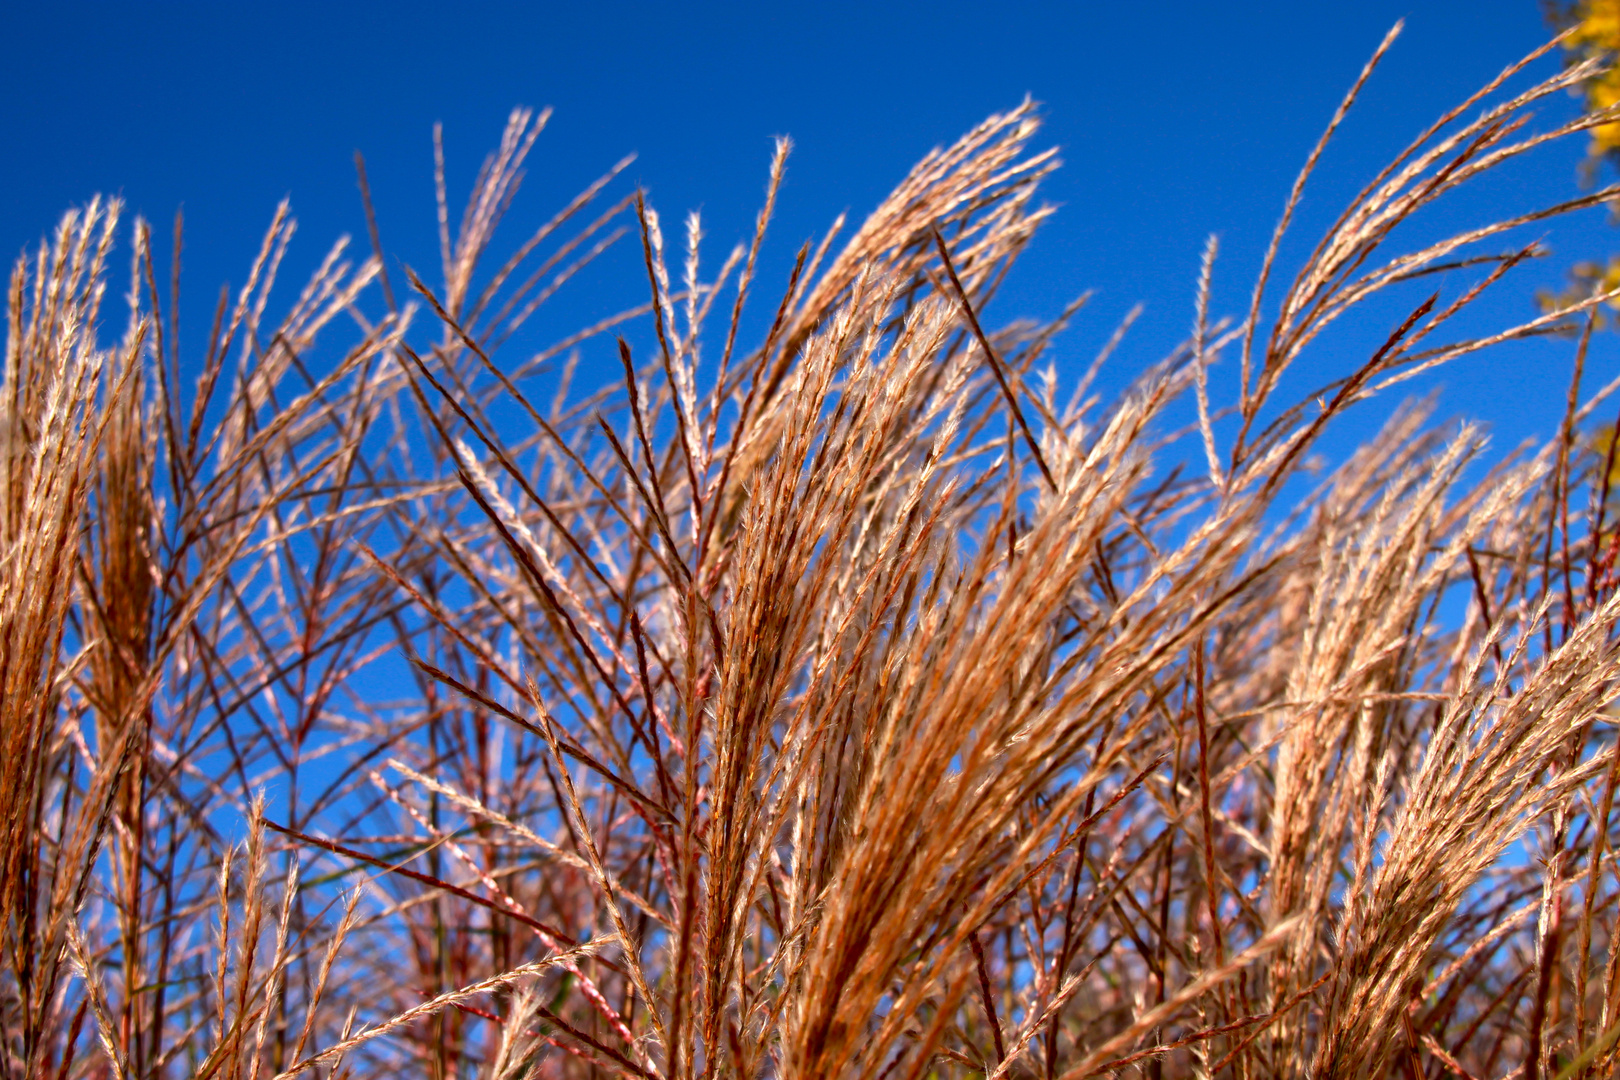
(856, 698)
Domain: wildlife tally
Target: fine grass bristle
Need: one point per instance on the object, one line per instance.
(842, 692)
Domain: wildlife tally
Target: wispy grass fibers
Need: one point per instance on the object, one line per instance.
(861, 699)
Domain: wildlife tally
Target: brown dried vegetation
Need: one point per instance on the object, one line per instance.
(850, 703)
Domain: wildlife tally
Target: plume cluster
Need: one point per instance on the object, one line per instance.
(843, 692)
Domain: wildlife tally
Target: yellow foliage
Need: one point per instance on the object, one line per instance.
(1601, 444)
(1597, 33)
(1586, 279)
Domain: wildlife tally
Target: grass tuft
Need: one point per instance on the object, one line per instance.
(866, 699)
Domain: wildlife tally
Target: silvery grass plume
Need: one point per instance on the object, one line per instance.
(843, 692)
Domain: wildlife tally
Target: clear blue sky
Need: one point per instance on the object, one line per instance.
(1175, 120)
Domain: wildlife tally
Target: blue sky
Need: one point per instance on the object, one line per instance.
(1175, 120)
